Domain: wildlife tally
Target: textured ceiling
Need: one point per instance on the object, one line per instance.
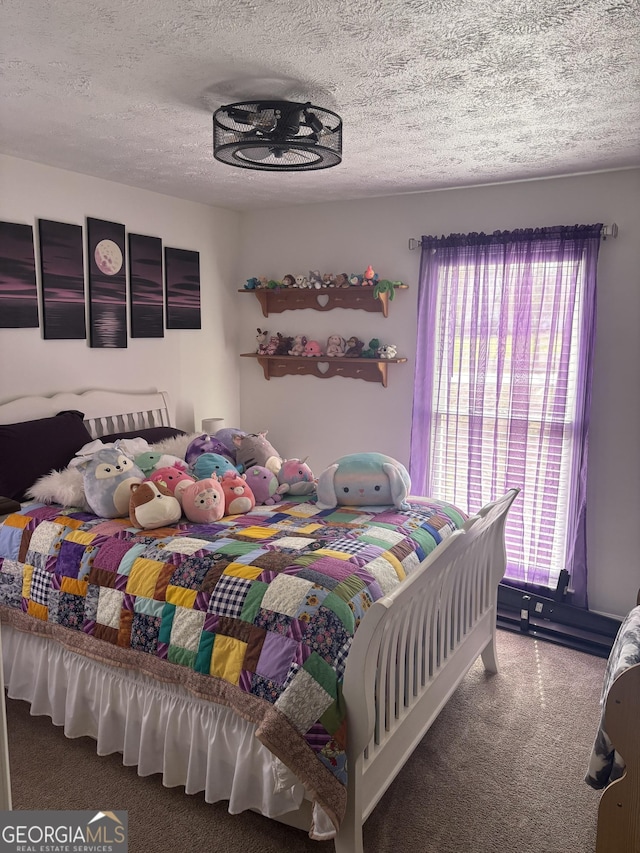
(432, 93)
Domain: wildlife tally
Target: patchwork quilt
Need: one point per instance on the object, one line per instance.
(255, 611)
(605, 763)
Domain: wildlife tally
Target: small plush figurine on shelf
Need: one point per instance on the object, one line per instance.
(369, 277)
(284, 345)
(328, 280)
(251, 284)
(289, 281)
(315, 279)
(372, 350)
(302, 281)
(299, 343)
(355, 280)
(342, 280)
(336, 345)
(354, 348)
(263, 282)
(388, 351)
(313, 348)
(261, 339)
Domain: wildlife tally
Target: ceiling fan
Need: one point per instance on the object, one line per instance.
(277, 136)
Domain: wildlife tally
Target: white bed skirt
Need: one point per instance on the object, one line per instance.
(159, 728)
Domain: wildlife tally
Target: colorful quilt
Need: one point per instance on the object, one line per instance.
(605, 763)
(255, 611)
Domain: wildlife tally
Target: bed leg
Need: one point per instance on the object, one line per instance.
(349, 838)
(489, 655)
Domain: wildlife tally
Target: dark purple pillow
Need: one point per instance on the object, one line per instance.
(151, 434)
(33, 448)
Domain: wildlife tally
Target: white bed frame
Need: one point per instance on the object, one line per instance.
(411, 650)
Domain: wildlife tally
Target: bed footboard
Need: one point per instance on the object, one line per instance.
(411, 652)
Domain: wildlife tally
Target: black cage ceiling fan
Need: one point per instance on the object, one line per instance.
(277, 136)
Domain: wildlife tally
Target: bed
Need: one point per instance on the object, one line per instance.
(287, 660)
(614, 764)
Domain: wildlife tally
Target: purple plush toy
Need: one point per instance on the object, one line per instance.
(207, 444)
(296, 477)
(264, 485)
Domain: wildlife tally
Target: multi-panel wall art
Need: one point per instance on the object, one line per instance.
(182, 273)
(107, 284)
(145, 286)
(18, 289)
(62, 276)
(161, 295)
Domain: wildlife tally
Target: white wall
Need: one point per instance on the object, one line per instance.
(197, 367)
(326, 418)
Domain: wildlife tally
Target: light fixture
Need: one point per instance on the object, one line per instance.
(277, 136)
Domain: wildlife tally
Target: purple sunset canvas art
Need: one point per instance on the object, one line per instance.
(62, 276)
(107, 284)
(182, 272)
(18, 289)
(146, 297)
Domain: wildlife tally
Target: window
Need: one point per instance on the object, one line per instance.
(505, 334)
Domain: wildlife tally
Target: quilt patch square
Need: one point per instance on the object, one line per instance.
(109, 607)
(285, 594)
(70, 558)
(228, 596)
(10, 539)
(110, 554)
(304, 701)
(227, 657)
(144, 632)
(143, 576)
(45, 537)
(186, 628)
(40, 585)
(185, 545)
(275, 657)
(71, 610)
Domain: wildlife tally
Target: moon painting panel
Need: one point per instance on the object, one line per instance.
(18, 289)
(145, 286)
(107, 284)
(182, 271)
(62, 275)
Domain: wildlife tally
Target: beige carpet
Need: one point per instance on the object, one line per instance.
(501, 771)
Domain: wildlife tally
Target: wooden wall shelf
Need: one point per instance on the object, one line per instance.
(277, 300)
(369, 369)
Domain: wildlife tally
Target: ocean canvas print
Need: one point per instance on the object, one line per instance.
(182, 273)
(62, 275)
(18, 289)
(146, 300)
(107, 284)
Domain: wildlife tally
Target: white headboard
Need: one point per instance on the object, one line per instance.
(104, 411)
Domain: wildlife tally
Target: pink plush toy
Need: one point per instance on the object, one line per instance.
(264, 485)
(296, 477)
(312, 348)
(203, 501)
(237, 494)
(175, 480)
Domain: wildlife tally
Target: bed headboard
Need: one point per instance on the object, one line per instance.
(104, 411)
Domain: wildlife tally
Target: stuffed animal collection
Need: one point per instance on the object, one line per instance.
(316, 280)
(337, 345)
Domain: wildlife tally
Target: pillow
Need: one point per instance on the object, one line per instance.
(151, 434)
(364, 479)
(33, 448)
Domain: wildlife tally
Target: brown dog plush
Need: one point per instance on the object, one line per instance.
(152, 505)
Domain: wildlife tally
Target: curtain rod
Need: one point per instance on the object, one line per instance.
(607, 231)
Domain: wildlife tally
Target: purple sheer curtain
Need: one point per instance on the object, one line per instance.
(502, 389)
